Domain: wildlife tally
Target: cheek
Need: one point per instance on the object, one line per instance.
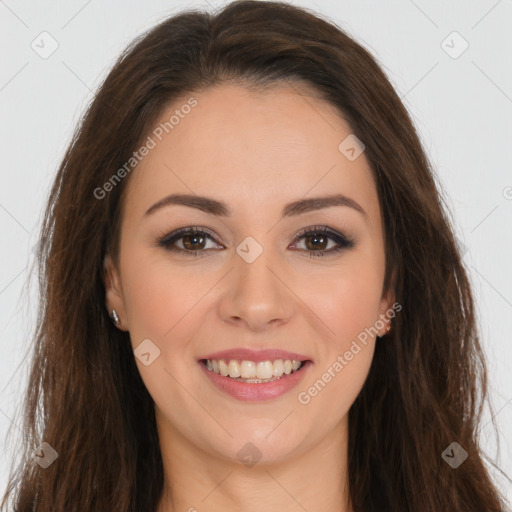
(345, 357)
(349, 300)
(162, 306)
(156, 295)
(350, 311)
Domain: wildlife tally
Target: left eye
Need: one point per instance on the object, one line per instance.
(317, 238)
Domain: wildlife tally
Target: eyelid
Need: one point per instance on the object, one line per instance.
(180, 232)
(324, 230)
(342, 240)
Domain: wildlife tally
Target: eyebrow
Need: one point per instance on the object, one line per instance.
(214, 207)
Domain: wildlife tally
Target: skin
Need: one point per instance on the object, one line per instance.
(255, 151)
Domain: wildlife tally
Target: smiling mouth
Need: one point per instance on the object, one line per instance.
(253, 372)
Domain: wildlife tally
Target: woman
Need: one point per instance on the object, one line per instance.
(251, 293)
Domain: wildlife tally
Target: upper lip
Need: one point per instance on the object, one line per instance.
(255, 355)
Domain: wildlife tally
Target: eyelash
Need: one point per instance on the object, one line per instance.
(343, 241)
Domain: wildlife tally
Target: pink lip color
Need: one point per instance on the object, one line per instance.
(256, 356)
(256, 392)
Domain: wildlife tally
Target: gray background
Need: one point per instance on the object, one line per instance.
(461, 104)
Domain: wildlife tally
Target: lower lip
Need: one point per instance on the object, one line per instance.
(255, 392)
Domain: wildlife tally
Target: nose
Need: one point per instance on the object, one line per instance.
(256, 294)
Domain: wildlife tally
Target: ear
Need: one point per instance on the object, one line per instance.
(388, 307)
(113, 293)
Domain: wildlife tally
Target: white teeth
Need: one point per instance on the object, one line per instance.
(248, 369)
(234, 369)
(264, 370)
(223, 368)
(279, 368)
(261, 371)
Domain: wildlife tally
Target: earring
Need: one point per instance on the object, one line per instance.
(388, 328)
(115, 318)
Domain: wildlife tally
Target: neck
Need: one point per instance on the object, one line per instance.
(314, 478)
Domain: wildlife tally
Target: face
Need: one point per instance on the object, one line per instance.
(247, 277)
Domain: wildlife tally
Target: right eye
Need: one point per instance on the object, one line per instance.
(191, 239)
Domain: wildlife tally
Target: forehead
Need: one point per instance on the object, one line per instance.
(250, 147)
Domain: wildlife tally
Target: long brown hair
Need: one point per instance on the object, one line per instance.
(85, 398)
